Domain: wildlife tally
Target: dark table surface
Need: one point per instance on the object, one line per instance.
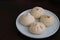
(9, 10)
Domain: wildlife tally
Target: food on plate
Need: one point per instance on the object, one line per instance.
(47, 20)
(27, 19)
(36, 20)
(37, 12)
(37, 28)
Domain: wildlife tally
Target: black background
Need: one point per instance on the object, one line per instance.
(10, 9)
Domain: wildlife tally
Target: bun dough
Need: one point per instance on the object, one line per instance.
(37, 12)
(27, 19)
(37, 28)
(47, 20)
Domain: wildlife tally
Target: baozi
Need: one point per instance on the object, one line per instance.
(37, 12)
(37, 28)
(27, 19)
(47, 20)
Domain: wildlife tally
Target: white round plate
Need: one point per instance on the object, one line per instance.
(49, 31)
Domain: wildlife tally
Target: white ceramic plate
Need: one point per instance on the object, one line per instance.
(49, 31)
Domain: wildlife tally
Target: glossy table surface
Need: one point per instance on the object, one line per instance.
(9, 10)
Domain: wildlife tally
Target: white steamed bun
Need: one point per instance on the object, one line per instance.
(37, 28)
(37, 12)
(27, 19)
(47, 20)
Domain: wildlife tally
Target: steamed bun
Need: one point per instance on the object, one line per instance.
(27, 19)
(37, 12)
(37, 28)
(47, 20)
